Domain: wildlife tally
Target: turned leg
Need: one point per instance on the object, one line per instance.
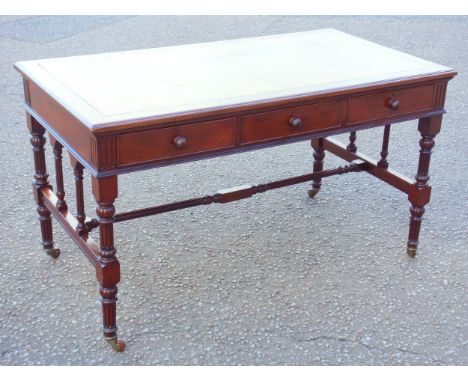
(383, 163)
(80, 208)
(108, 267)
(419, 196)
(60, 192)
(352, 145)
(41, 180)
(319, 155)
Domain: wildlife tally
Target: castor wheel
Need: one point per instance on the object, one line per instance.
(117, 345)
(411, 252)
(53, 252)
(312, 192)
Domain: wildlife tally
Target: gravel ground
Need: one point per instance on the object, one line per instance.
(277, 279)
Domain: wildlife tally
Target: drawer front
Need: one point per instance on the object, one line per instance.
(176, 141)
(290, 122)
(388, 104)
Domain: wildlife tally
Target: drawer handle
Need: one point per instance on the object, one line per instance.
(295, 123)
(180, 142)
(393, 103)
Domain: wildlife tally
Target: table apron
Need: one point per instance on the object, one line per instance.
(264, 144)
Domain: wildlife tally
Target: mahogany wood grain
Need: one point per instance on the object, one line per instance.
(384, 153)
(377, 106)
(389, 176)
(429, 128)
(79, 193)
(41, 181)
(289, 122)
(240, 192)
(319, 155)
(129, 111)
(66, 128)
(176, 141)
(69, 223)
(352, 142)
(58, 148)
(107, 267)
(103, 158)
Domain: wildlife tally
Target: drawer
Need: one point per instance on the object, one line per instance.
(176, 141)
(290, 122)
(389, 103)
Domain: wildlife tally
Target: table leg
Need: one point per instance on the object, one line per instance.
(58, 148)
(419, 196)
(383, 163)
(80, 208)
(41, 180)
(108, 267)
(319, 155)
(352, 142)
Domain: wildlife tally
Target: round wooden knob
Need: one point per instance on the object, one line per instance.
(295, 123)
(180, 142)
(393, 103)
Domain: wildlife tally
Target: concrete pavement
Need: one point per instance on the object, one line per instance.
(277, 279)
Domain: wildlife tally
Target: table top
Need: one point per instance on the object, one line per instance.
(106, 89)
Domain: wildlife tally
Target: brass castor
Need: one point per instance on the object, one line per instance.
(117, 345)
(312, 192)
(53, 252)
(411, 252)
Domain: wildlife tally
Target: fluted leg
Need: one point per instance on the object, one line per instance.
(108, 267)
(319, 155)
(420, 195)
(41, 180)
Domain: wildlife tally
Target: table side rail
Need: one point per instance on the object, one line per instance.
(389, 176)
(70, 224)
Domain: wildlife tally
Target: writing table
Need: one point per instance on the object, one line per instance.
(128, 111)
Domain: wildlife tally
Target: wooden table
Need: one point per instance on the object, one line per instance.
(128, 111)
